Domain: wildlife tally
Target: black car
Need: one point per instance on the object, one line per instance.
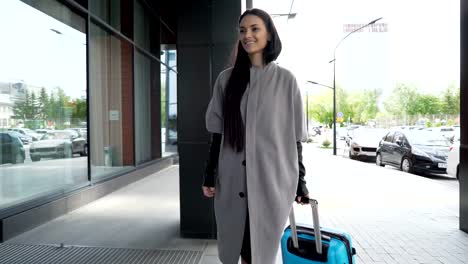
(12, 150)
(414, 151)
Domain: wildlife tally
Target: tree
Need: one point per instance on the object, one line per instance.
(79, 112)
(401, 101)
(364, 105)
(321, 108)
(451, 100)
(426, 104)
(43, 103)
(20, 109)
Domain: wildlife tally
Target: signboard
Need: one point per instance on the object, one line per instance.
(339, 114)
(377, 27)
(114, 115)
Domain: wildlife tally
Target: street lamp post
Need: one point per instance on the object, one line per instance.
(307, 101)
(334, 80)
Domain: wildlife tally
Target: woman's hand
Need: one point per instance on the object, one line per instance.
(299, 198)
(208, 191)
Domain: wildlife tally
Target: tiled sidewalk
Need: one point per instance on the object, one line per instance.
(393, 217)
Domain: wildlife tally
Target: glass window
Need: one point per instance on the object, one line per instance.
(145, 137)
(107, 10)
(141, 26)
(397, 137)
(111, 102)
(42, 85)
(169, 102)
(389, 137)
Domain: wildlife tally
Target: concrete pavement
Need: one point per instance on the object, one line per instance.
(393, 217)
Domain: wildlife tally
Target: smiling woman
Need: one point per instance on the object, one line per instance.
(43, 88)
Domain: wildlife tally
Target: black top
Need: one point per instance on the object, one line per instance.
(212, 165)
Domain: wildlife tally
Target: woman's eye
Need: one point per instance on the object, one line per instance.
(255, 29)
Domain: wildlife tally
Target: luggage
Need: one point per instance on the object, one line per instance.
(307, 245)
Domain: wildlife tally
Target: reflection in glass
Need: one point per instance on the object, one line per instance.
(143, 117)
(111, 103)
(107, 10)
(168, 103)
(42, 89)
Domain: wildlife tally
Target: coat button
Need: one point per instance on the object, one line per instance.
(243, 163)
(241, 195)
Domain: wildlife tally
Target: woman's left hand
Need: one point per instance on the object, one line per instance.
(299, 199)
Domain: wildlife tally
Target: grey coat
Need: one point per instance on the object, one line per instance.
(272, 112)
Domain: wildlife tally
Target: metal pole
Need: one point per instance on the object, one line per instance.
(249, 4)
(307, 112)
(334, 107)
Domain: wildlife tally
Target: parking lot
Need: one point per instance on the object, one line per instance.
(393, 216)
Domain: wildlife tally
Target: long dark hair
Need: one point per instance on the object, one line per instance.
(234, 131)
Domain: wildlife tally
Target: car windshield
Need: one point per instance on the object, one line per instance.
(427, 138)
(58, 135)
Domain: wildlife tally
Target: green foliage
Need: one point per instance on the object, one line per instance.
(406, 100)
(450, 122)
(363, 105)
(428, 124)
(451, 100)
(426, 104)
(79, 110)
(321, 108)
(401, 101)
(438, 124)
(326, 143)
(56, 107)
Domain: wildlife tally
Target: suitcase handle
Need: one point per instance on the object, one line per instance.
(318, 234)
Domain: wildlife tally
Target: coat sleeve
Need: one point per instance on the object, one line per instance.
(299, 119)
(214, 112)
(301, 186)
(212, 162)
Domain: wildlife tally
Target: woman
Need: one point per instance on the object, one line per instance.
(257, 121)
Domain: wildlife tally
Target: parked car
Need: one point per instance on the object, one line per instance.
(58, 144)
(25, 139)
(82, 131)
(414, 151)
(27, 132)
(364, 142)
(42, 131)
(453, 161)
(12, 150)
(447, 132)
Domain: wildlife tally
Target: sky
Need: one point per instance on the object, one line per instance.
(32, 53)
(421, 47)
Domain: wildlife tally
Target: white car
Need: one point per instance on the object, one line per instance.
(363, 142)
(453, 160)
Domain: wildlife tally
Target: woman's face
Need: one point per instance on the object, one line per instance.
(253, 34)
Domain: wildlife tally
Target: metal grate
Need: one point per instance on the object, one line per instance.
(38, 254)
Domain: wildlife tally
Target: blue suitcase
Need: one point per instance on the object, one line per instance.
(308, 245)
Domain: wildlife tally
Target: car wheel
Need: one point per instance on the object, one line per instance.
(406, 165)
(351, 155)
(85, 151)
(378, 160)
